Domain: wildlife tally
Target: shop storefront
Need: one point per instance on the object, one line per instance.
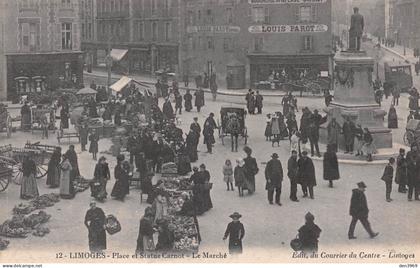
(265, 68)
(34, 73)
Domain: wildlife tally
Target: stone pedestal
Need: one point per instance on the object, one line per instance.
(354, 98)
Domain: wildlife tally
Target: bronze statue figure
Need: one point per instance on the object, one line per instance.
(356, 30)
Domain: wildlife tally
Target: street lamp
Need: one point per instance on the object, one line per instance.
(108, 61)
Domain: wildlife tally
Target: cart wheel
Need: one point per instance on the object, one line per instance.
(9, 126)
(17, 173)
(246, 135)
(4, 182)
(40, 172)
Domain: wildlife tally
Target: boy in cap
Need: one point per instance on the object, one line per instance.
(236, 232)
(387, 178)
(359, 211)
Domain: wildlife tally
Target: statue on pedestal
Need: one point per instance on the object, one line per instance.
(356, 30)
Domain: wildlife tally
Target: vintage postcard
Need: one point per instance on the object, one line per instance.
(209, 131)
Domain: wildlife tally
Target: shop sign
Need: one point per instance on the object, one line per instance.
(298, 28)
(222, 29)
(287, 1)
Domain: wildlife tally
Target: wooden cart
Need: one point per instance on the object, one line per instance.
(225, 116)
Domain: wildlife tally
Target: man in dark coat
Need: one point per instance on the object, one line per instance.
(274, 177)
(314, 138)
(356, 30)
(84, 133)
(195, 126)
(331, 171)
(401, 173)
(251, 169)
(178, 102)
(208, 132)
(131, 146)
(359, 211)
(199, 99)
(292, 169)
(349, 133)
(167, 109)
(306, 174)
(188, 101)
(334, 130)
(236, 232)
(95, 222)
(259, 102)
(387, 178)
(412, 174)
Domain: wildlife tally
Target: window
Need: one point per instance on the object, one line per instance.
(83, 31)
(190, 17)
(30, 36)
(89, 30)
(28, 4)
(200, 42)
(258, 43)
(229, 15)
(154, 31)
(210, 42)
(154, 7)
(140, 31)
(307, 43)
(306, 14)
(167, 31)
(210, 18)
(167, 6)
(260, 15)
(66, 36)
(190, 43)
(227, 44)
(66, 4)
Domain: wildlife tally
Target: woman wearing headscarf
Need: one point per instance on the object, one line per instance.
(66, 181)
(392, 117)
(331, 171)
(251, 169)
(121, 186)
(145, 238)
(205, 174)
(198, 199)
(309, 234)
(95, 222)
(29, 188)
(53, 175)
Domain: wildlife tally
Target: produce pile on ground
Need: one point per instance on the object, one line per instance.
(45, 200)
(81, 184)
(3, 244)
(20, 226)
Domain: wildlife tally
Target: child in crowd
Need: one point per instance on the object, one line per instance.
(228, 175)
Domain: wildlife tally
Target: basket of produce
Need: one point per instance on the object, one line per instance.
(6, 230)
(112, 225)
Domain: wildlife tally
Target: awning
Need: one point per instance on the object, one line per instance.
(118, 54)
(120, 84)
(86, 91)
(125, 81)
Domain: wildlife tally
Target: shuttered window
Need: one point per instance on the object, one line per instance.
(307, 43)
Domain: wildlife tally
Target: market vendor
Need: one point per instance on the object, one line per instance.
(198, 200)
(160, 206)
(165, 238)
(145, 238)
(189, 209)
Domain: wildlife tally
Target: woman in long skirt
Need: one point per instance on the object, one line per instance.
(145, 238)
(95, 222)
(29, 188)
(275, 127)
(93, 148)
(121, 186)
(53, 175)
(66, 182)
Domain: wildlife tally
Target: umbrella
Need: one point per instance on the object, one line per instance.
(86, 91)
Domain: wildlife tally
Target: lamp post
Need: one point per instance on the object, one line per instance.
(108, 61)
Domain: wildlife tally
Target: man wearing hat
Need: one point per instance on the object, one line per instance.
(236, 232)
(274, 177)
(359, 211)
(306, 174)
(208, 132)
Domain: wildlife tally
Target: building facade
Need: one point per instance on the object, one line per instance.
(145, 31)
(246, 41)
(405, 23)
(40, 46)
